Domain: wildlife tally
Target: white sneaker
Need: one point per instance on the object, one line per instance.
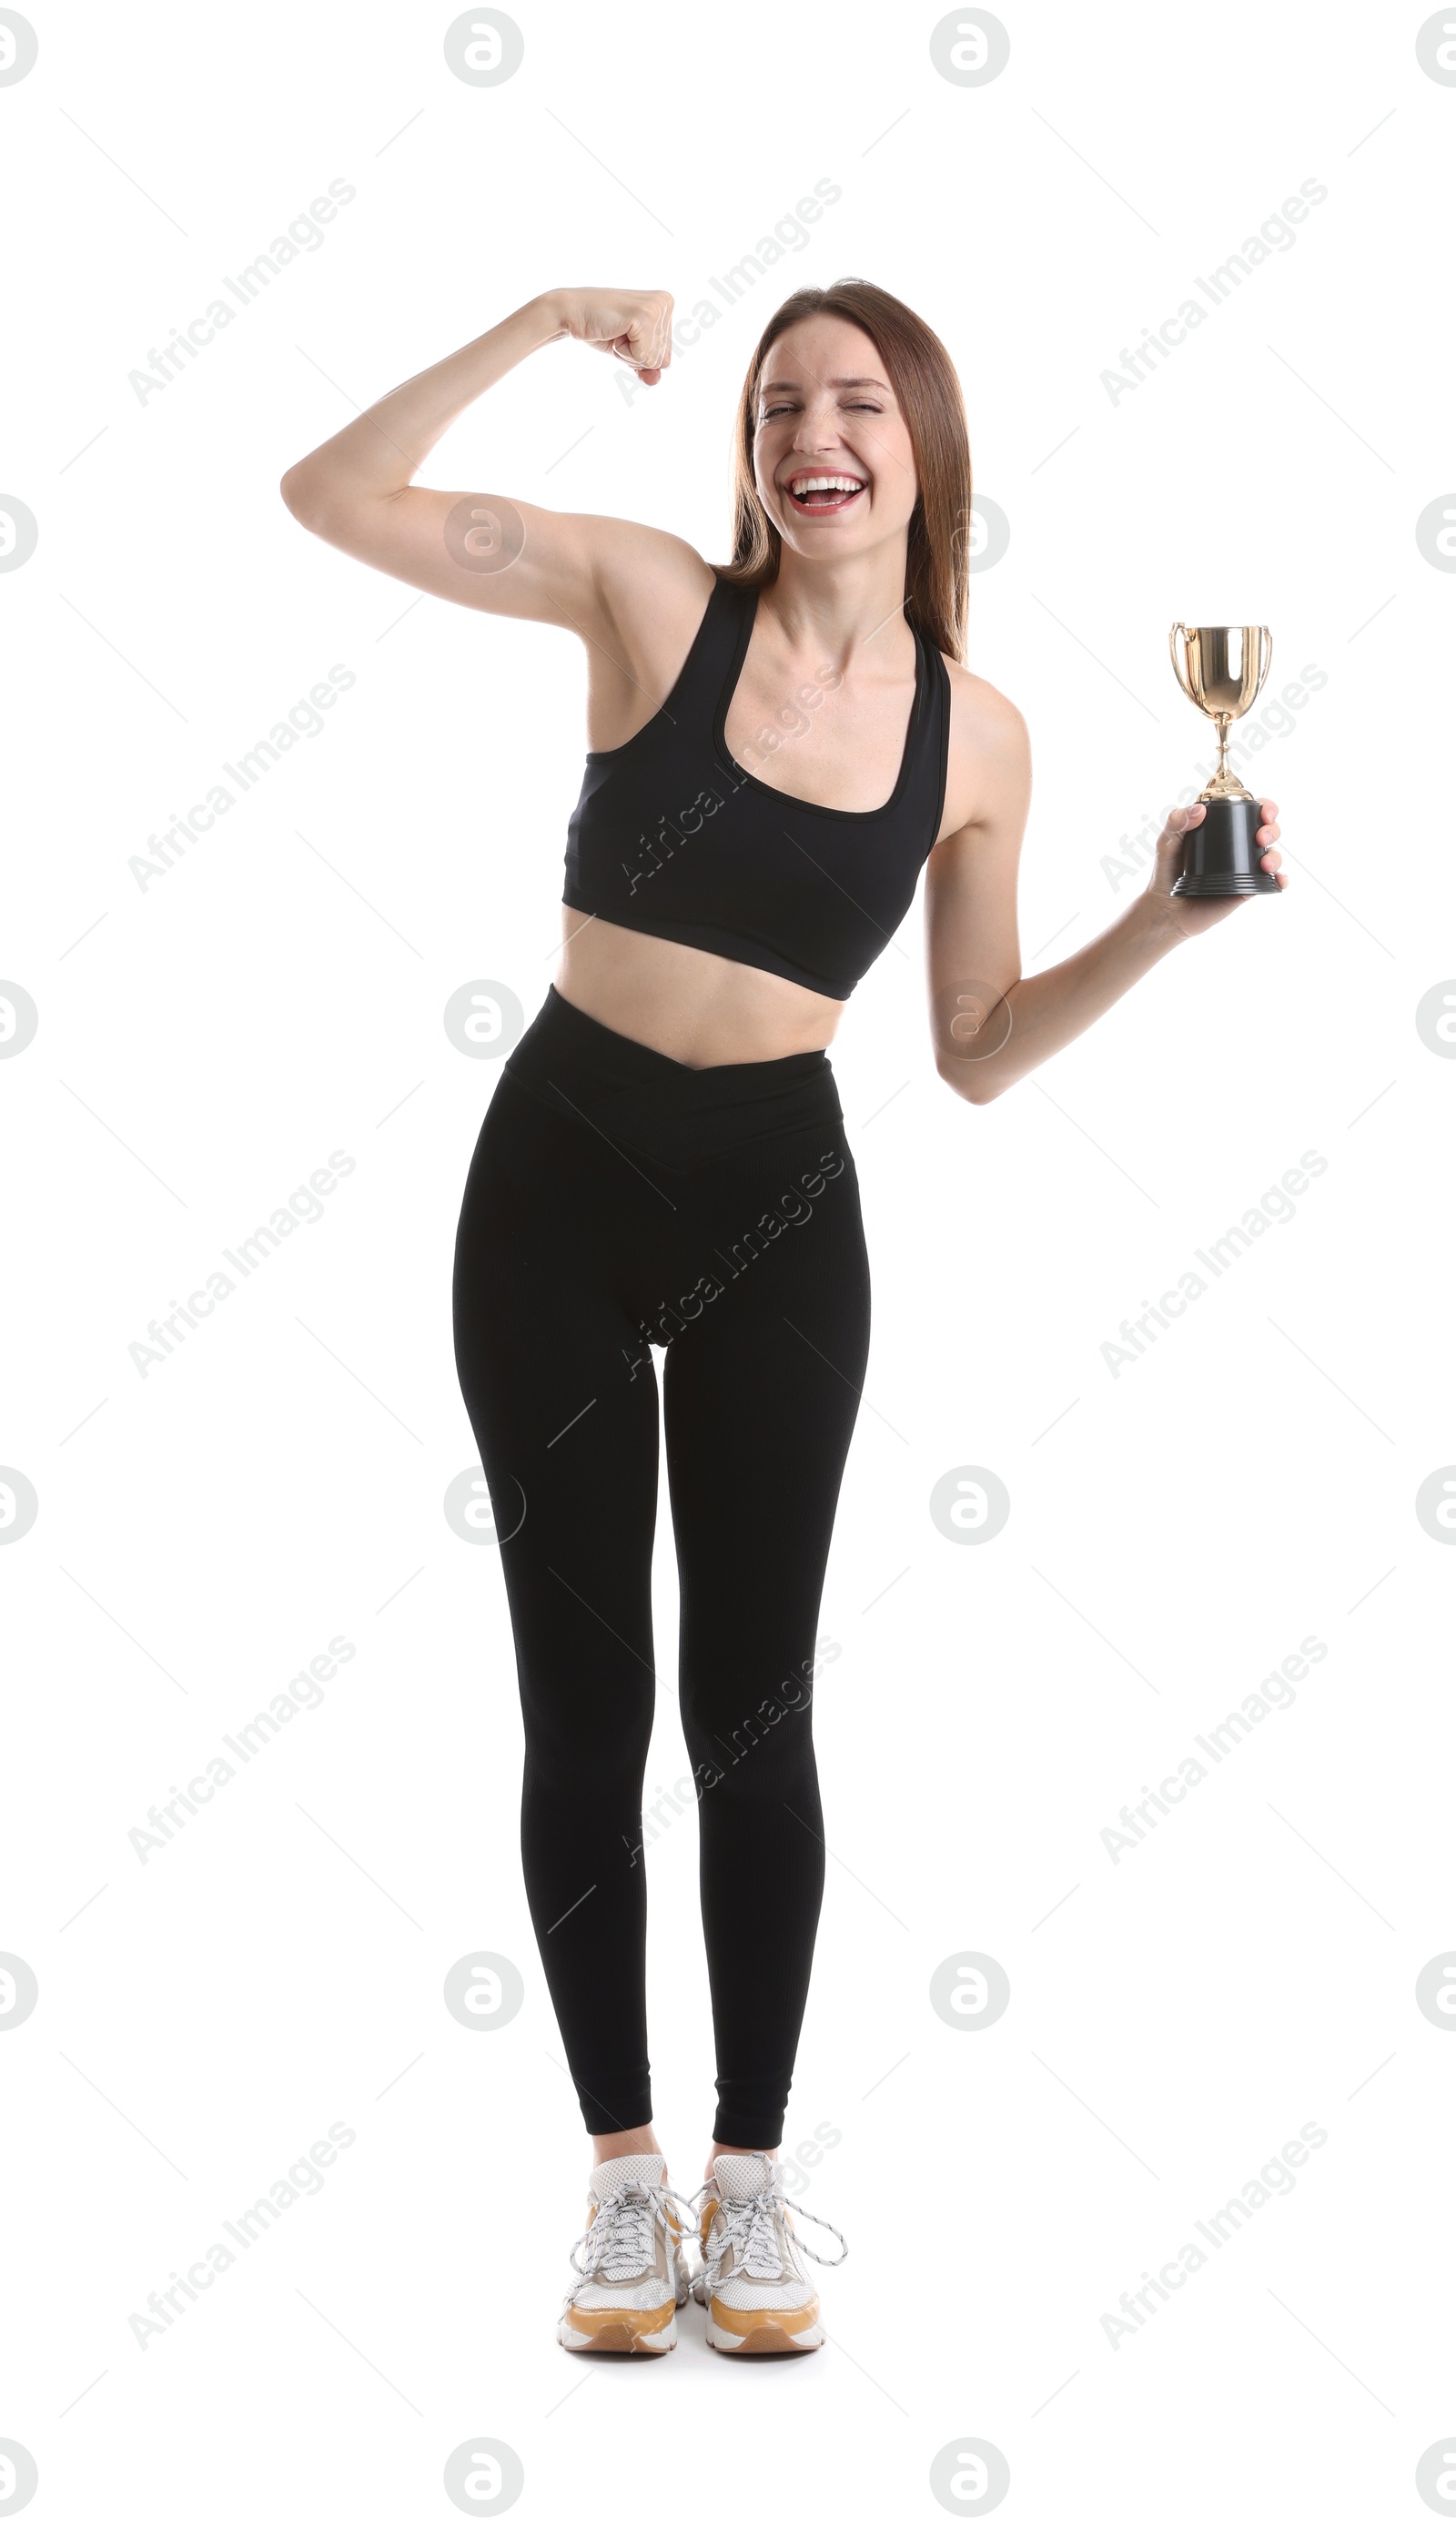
(633, 2276)
(752, 2284)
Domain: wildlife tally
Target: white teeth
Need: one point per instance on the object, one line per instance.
(827, 482)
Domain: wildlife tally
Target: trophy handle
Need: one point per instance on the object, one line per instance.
(1266, 654)
(1175, 653)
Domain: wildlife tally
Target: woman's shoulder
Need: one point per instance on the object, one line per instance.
(990, 748)
(651, 585)
(645, 566)
(981, 715)
(650, 596)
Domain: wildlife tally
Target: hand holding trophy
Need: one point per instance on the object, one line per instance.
(1221, 668)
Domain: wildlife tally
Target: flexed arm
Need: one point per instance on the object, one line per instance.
(356, 491)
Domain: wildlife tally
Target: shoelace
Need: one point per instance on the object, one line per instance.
(620, 2240)
(749, 2227)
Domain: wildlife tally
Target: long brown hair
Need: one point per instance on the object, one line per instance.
(927, 390)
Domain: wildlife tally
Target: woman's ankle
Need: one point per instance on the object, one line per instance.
(640, 2143)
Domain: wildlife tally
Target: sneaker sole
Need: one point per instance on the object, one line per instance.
(653, 2330)
(747, 2330)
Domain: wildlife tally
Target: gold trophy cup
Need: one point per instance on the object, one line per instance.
(1221, 668)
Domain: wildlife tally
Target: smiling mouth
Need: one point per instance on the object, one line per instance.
(825, 491)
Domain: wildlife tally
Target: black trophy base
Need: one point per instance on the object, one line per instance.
(1219, 855)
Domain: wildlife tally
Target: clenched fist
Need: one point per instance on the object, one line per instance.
(634, 325)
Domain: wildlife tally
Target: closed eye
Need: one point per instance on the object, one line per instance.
(772, 410)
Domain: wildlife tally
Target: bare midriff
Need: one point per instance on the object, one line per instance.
(697, 1009)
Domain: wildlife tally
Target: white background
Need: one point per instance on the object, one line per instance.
(206, 1041)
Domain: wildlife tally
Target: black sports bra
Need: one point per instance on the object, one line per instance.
(672, 837)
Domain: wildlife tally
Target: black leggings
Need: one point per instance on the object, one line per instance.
(619, 1200)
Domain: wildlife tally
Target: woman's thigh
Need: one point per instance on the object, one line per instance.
(760, 1396)
(565, 1417)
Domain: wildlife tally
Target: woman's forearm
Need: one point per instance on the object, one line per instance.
(1049, 1011)
(376, 456)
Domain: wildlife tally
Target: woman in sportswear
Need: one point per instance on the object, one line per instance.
(663, 1162)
